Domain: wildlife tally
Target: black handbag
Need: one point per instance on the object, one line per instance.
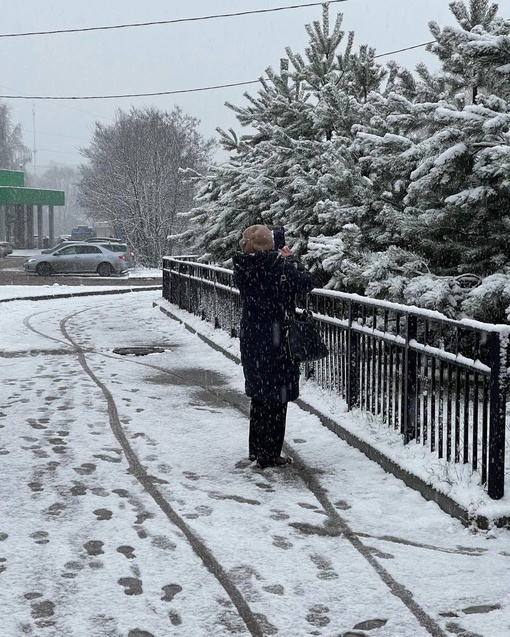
(304, 342)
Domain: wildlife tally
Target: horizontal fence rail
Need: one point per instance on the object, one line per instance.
(440, 383)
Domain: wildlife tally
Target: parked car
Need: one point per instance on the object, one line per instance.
(5, 249)
(114, 245)
(81, 258)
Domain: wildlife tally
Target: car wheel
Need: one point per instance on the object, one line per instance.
(104, 269)
(44, 269)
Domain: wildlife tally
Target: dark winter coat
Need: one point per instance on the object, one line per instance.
(268, 284)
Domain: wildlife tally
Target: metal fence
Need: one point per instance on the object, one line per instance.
(440, 383)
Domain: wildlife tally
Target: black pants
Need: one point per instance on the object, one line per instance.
(267, 429)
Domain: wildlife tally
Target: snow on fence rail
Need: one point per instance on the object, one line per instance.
(439, 382)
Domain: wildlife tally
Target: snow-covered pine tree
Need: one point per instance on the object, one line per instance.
(385, 149)
(457, 214)
(450, 46)
(489, 52)
(439, 172)
(241, 191)
(295, 168)
(393, 189)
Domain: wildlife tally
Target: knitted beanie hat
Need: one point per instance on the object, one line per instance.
(257, 239)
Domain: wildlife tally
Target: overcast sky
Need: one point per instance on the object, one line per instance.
(173, 57)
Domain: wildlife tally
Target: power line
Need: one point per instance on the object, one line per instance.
(160, 22)
(72, 108)
(107, 97)
(176, 92)
(40, 132)
(61, 152)
(407, 48)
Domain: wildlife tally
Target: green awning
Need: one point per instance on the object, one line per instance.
(33, 196)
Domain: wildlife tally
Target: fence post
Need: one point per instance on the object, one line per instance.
(166, 279)
(189, 301)
(180, 266)
(217, 323)
(352, 389)
(410, 382)
(496, 473)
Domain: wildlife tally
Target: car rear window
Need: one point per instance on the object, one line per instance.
(115, 247)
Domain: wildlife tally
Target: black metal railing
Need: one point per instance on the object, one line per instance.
(440, 383)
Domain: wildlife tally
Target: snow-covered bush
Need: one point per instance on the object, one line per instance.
(490, 301)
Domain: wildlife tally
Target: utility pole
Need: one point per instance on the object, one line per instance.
(34, 151)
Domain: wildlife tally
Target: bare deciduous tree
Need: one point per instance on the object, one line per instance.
(134, 178)
(14, 155)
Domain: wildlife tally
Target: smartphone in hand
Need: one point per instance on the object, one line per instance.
(279, 237)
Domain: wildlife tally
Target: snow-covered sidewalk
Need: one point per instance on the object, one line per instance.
(128, 507)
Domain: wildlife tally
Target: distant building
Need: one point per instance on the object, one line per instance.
(104, 229)
(80, 233)
(22, 211)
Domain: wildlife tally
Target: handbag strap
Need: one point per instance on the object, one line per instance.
(303, 314)
(283, 280)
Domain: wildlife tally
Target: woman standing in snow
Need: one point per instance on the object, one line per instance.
(268, 282)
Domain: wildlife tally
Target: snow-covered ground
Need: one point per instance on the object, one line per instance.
(128, 507)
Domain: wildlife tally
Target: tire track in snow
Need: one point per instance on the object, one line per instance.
(28, 324)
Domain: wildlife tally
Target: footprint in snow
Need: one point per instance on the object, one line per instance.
(94, 547)
(40, 537)
(170, 591)
(128, 551)
(103, 514)
(132, 585)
